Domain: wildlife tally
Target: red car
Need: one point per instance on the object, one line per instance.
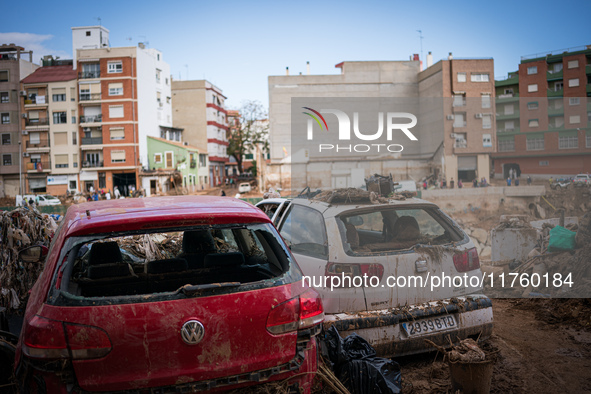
(170, 294)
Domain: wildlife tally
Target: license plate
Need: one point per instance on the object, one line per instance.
(429, 325)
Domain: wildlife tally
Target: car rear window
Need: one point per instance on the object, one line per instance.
(173, 262)
(388, 230)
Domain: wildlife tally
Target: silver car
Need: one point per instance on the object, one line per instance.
(395, 273)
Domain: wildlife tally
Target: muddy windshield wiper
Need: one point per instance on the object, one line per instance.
(191, 290)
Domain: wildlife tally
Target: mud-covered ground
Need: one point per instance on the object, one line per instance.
(544, 346)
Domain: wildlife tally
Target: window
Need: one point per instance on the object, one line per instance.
(102, 178)
(532, 70)
(72, 185)
(532, 88)
(535, 143)
(568, 142)
(157, 157)
(573, 64)
(305, 233)
(7, 159)
(509, 125)
(509, 109)
(508, 90)
(61, 161)
(60, 138)
(60, 118)
(486, 101)
(59, 97)
(169, 159)
(3, 75)
(248, 156)
(4, 97)
(461, 140)
(117, 133)
(533, 123)
(486, 141)
(573, 82)
(202, 160)
(574, 101)
(74, 138)
(158, 72)
(459, 100)
(6, 139)
(159, 97)
(558, 86)
(115, 111)
(574, 119)
(544, 163)
(115, 89)
(88, 34)
(479, 77)
(557, 67)
(486, 121)
(75, 160)
(506, 145)
(460, 119)
(461, 77)
(118, 156)
(532, 105)
(5, 118)
(114, 67)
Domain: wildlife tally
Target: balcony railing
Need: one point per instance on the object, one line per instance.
(36, 100)
(39, 166)
(92, 140)
(555, 92)
(461, 144)
(92, 164)
(90, 96)
(44, 143)
(37, 122)
(193, 164)
(91, 119)
(89, 74)
(459, 124)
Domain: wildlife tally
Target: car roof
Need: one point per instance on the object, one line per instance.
(158, 212)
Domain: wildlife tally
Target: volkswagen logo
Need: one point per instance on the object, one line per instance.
(192, 332)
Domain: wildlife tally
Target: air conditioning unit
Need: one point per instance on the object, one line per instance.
(449, 117)
(25, 132)
(23, 93)
(478, 116)
(26, 154)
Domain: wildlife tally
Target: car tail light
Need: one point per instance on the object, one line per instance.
(51, 339)
(467, 261)
(301, 312)
(354, 270)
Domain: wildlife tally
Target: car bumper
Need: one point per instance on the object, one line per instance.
(383, 329)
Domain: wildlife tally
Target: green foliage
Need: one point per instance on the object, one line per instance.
(251, 135)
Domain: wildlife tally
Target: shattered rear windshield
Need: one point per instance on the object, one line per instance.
(389, 230)
(125, 264)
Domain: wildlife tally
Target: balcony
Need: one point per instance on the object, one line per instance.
(514, 115)
(555, 111)
(554, 75)
(90, 96)
(588, 69)
(507, 98)
(92, 140)
(44, 143)
(91, 118)
(92, 164)
(39, 166)
(89, 74)
(555, 92)
(37, 122)
(461, 144)
(36, 100)
(193, 164)
(510, 130)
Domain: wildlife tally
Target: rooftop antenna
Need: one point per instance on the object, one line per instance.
(99, 21)
(421, 38)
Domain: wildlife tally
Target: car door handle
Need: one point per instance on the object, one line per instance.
(421, 266)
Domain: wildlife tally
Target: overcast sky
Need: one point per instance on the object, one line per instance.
(237, 44)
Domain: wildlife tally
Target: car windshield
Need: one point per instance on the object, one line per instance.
(48, 197)
(386, 230)
(111, 265)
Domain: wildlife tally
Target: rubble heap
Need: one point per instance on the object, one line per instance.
(21, 228)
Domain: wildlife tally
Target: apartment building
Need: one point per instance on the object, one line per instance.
(200, 110)
(452, 100)
(50, 129)
(15, 64)
(124, 97)
(543, 115)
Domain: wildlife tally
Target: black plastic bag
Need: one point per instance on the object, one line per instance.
(354, 363)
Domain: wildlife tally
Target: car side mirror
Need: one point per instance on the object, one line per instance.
(33, 254)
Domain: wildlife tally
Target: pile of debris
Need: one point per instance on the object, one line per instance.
(481, 240)
(21, 228)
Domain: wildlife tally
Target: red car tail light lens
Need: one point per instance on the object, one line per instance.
(301, 312)
(346, 271)
(44, 338)
(87, 342)
(467, 261)
(51, 339)
(311, 310)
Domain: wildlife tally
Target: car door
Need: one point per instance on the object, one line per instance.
(275, 209)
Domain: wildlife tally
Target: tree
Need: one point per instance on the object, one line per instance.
(250, 134)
